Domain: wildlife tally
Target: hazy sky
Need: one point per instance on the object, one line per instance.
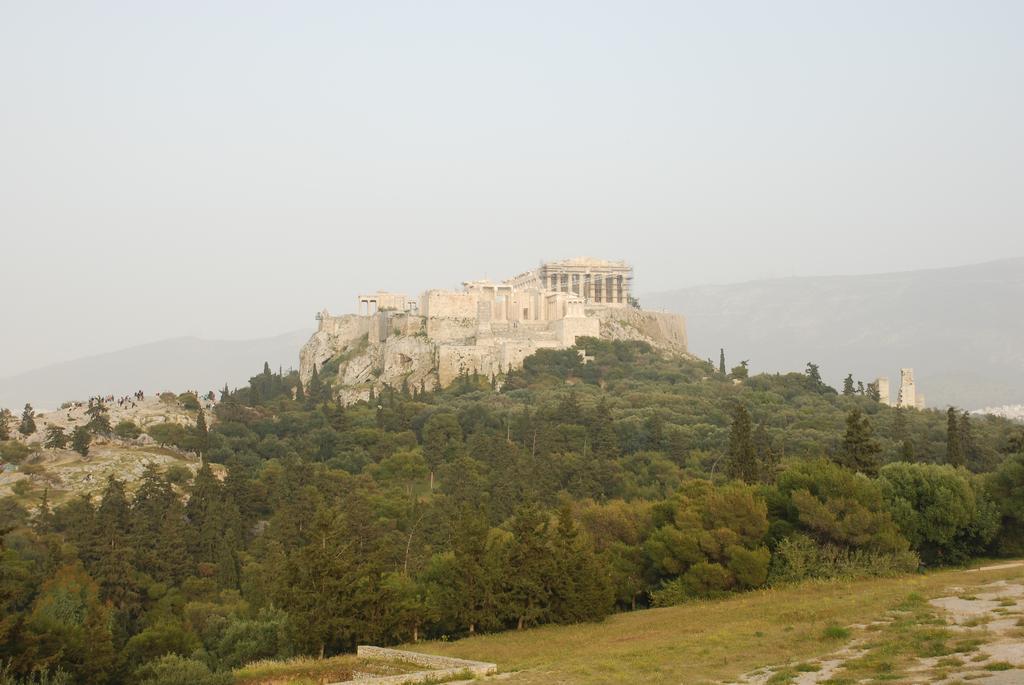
(227, 169)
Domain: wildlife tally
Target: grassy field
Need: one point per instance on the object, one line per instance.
(721, 640)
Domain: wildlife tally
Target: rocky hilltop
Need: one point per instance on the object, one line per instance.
(486, 328)
(64, 474)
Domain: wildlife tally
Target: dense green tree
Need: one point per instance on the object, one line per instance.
(838, 506)
(954, 445)
(210, 518)
(167, 433)
(320, 584)
(56, 438)
(113, 567)
(68, 627)
(741, 372)
(860, 451)
(201, 435)
(156, 529)
(81, 438)
(721, 361)
(968, 447)
(713, 543)
(814, 381)
(320, 520)
(813, 374)
(1006, 486)
(848, 388)
(442, 441)
(471, 573)
(942, 511)
(28, 421)
(582, 591)
(741, 462)
(531, 566)
(99, 418)
(873, 392)
(766, 455)
(127, 430)
(604, 442)
(315, 391)
(5, 424)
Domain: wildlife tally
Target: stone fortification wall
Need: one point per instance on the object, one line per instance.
(568, 329)
(385, 324)
(449, 304)
(514, 352)
(451, 329)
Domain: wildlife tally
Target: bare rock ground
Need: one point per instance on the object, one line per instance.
(65, 474)
(989, 618)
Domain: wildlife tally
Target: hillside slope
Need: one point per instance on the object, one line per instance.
(959, 328)
(811, 629)
(173, 364)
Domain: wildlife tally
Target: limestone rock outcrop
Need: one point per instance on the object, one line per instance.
(356, 354)
(485, 328)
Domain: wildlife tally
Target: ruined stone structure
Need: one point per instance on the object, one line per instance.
(593, 280)
(884, 395)
(384, 301)
(487, 327)
(908, 396)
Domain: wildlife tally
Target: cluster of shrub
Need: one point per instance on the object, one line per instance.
(558, 493)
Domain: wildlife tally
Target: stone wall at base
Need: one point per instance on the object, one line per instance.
(440, 667)
(570, 328)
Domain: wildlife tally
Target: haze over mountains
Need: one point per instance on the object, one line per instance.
(961, 329)
(176, 364)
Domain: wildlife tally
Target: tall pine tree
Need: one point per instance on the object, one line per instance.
(28, 421)
(954, 446)
(741, 462)
(860, 451)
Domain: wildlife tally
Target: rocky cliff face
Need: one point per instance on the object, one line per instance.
(357, 353)
(661, 329)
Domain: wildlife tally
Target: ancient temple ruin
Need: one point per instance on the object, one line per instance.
(908, 397)
(487, 327)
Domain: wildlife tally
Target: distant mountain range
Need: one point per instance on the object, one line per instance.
(176, 364)
(961, 329)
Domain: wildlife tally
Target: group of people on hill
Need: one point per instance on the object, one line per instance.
(130, 401)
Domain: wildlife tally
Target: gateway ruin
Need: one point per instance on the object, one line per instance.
(486, 327)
